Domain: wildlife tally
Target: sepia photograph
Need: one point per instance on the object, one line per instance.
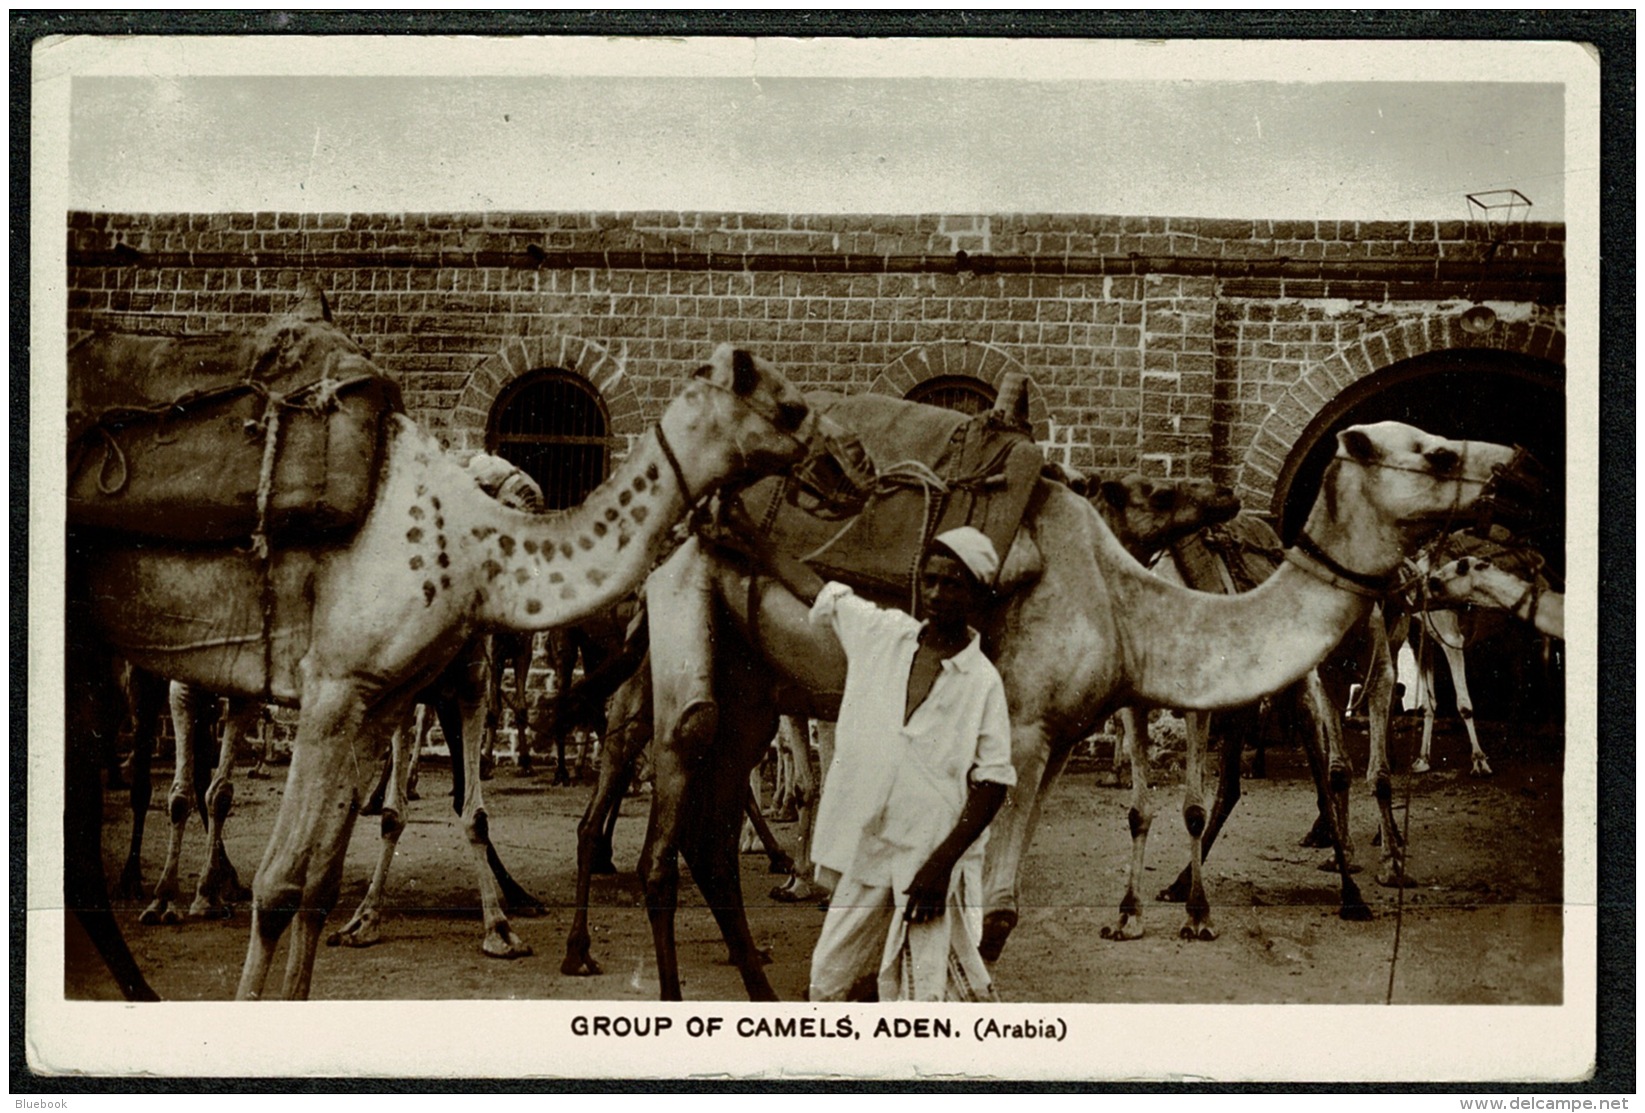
(852, 558)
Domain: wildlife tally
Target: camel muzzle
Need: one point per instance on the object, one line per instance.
(1514, 496)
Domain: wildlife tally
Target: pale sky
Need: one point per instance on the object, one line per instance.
(616, 127)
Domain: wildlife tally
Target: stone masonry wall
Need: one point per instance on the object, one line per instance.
(1177, 346)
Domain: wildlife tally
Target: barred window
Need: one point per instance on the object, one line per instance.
(553, 425)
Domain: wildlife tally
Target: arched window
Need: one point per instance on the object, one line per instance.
(552, 424)
(954, 392)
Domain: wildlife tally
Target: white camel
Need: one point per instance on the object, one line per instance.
(351, 631)
(1081, 630)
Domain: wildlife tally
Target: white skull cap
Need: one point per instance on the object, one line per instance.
(973, 549)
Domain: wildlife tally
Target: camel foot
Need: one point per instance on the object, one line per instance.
(579, 965)
(1421, 766)
(761, 955)
(160, 911)
(1176, 892)
(797, 890)
(1390, 878)
(1482, 768)
(204, 908)
(1200, 932)
(362, 931)
(1329, 865)
(1319, 835)
(501, 942)
(1356, 911)
(996, 929)
(1128, 927)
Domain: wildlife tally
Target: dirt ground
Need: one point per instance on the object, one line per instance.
(1481, 922)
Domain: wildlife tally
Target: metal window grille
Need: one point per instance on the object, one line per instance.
(955, 392)
(552, 424)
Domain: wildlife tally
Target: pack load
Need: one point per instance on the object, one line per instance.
(276, 434)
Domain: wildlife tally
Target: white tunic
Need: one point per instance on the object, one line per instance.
(894, 791)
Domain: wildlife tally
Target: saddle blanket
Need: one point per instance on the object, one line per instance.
(934, 469)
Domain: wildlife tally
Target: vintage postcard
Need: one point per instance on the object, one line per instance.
(1246, 393)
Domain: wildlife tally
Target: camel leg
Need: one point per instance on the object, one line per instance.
(146, 695)
(1198, 923)
(781, 863)
(1426, 686)
(1481, 766)
(806, 791)
(1009, 835)
(631, 713)
(219, 885)
(466, 721)
(335, 751)
(1320, 737)
(1235, 727)
(685, 724)
(364, 928)
(91, 717)
(192, 714)
(719, 798)
(1379, 706)
(1133, 724)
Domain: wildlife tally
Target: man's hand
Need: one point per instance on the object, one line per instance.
(928, 893)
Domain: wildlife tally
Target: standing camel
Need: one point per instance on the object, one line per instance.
(1231, 557)
(1145, 514)
(1089, 630)
(351, 631)
(464, 698)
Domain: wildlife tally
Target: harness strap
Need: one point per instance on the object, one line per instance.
(674, 463)
(1307, 555)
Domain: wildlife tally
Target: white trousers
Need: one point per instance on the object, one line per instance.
(865, 933)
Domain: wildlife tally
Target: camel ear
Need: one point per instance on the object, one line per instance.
(744, 375)
(1115, 494)
(1358, 444)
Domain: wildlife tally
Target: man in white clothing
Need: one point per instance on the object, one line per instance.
(922, 763)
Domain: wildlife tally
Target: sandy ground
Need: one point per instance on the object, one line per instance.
(1481, 923)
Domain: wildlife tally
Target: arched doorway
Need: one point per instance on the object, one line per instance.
(1471, 394)
(963, 393)
(553, 425)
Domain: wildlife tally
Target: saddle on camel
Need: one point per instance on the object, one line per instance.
(911, 473)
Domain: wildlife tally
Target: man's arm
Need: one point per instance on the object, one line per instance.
(928, 893)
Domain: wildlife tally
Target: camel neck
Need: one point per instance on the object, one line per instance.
(542, 570)
(1199, 651)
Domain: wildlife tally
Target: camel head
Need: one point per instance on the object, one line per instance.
(1391, 487)
(737, 417)
(1149, 515)
(1463, 569)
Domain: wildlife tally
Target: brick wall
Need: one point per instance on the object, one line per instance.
(1178, 346)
